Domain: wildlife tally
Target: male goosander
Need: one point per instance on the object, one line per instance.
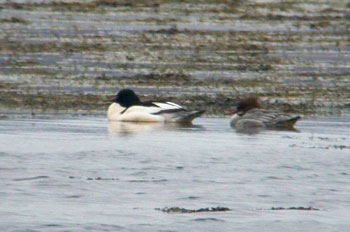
(250, 116)
(127, 107)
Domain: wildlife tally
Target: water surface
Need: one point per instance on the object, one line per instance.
(83, 174)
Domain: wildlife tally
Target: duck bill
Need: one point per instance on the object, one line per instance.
(111, 99)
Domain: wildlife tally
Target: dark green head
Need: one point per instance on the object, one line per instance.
(127, 98)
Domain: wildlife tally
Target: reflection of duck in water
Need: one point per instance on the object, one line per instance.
(127, 107)
(116, 127)
(250, 116)
(125, 128)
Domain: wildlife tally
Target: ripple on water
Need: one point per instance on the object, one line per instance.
(189, 198)
(207, 219)
(31, 178)
(74, 196)
(50, 188)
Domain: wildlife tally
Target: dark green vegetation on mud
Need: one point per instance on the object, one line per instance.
(72, 56)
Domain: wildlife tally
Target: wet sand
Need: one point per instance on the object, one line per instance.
(71, 56)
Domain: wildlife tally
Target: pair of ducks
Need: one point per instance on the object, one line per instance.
(127, 107)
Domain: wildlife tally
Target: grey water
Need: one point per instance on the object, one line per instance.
(85, 174)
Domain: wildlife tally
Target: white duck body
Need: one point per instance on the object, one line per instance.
(161, 112)
(128, 108)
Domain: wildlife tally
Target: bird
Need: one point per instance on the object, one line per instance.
(127, 107)
(249, 115)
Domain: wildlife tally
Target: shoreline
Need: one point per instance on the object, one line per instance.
(73, 55)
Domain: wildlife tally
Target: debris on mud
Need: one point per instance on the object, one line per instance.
(205, 54)
(13, 20)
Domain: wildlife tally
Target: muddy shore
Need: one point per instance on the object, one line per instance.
(72, 56)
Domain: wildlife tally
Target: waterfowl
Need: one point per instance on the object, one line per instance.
(127, 107)
(250, 116)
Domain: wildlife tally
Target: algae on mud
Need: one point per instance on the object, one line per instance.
(71, 55)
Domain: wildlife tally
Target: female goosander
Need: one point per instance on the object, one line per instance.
(249, 116)
(127, 107)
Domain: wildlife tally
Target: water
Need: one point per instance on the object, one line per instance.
(83, 174)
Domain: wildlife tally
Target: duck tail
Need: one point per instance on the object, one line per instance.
(190, 116)
(289, 123)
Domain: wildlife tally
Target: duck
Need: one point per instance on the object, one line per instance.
(249, 115)
(127, 107)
